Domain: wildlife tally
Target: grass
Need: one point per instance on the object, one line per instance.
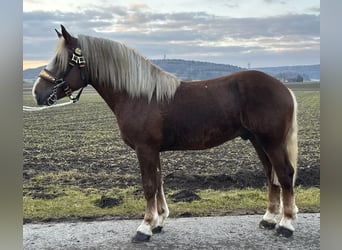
(74, 203)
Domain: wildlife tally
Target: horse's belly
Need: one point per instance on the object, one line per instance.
(197, 140)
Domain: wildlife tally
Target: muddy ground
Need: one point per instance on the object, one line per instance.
(215, 169)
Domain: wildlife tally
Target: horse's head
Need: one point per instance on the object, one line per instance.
(64, 74)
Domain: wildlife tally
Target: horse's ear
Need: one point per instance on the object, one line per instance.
(59, 34)
(67, 37)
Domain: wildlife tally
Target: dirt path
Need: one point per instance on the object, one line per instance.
(229, 232)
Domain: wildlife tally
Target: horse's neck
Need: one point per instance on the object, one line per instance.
(116, 100)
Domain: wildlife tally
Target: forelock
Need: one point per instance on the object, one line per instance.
(61, 55)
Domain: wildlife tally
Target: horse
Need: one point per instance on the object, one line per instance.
(157, 112)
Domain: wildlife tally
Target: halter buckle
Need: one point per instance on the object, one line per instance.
(77, 57)
(78, 51)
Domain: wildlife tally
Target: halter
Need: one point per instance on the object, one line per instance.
(76, 59)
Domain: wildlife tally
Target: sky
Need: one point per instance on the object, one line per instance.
(255, 33)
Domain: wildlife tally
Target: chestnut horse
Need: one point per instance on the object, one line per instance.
(157, 112)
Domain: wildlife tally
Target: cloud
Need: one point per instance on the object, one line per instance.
(177, 34)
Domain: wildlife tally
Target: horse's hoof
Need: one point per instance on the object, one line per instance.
(283, 231)
(157, 230)
(266, 225)
(140, 237)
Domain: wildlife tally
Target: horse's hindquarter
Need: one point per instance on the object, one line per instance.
(201, 115)
(266, 104)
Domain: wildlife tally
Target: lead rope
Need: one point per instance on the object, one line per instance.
(27, 108)
(72, 100)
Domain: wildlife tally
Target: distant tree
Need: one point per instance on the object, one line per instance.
(299, 78)
(289, 77)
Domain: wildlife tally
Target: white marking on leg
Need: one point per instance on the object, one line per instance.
(286, 223)
(296, 210)
(270, 217)
(165, 214)
(145, 228)
(281, 207)
(274, 177)
(292, 209)
(162, 217)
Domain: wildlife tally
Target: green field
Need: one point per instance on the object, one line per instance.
(73, 155)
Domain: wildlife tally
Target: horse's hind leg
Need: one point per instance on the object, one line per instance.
(273, 206)
(285, 172)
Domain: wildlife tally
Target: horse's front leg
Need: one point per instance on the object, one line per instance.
(163, 210)
(151, 180)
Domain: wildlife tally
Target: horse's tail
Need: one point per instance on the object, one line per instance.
(291, 142)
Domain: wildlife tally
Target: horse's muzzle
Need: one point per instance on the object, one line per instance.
(40, 101)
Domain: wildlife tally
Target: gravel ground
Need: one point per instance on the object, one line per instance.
(229, 232)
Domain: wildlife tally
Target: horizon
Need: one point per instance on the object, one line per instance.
(181, 67)
(297, 65)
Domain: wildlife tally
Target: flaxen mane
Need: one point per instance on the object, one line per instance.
(114, 64)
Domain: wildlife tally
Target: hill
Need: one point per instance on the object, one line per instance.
(30, 75)
(308, 72)
(196, 70)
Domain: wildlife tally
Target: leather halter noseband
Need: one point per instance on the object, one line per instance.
(76, 59)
